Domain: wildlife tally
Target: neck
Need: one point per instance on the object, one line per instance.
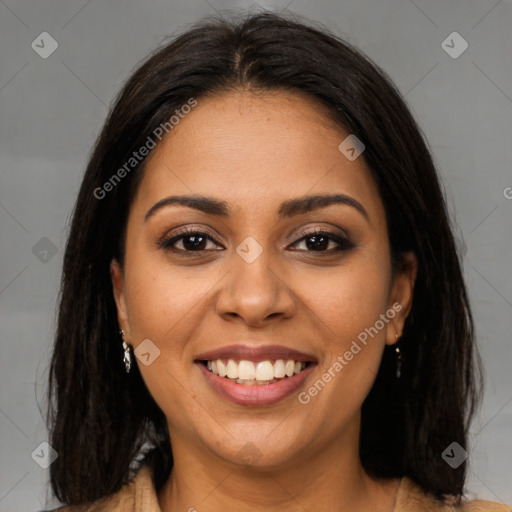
(328, 477)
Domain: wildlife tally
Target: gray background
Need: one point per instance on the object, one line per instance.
(52, 109)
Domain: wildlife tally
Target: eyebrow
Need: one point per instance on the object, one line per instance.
(287, 209)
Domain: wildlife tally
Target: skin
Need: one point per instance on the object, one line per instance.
(255, 151)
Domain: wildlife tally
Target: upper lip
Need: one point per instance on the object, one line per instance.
(255, 353)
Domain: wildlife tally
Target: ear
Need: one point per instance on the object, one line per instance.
(116, 276)
(400, 299)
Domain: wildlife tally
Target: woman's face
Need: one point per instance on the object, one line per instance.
(253, 282)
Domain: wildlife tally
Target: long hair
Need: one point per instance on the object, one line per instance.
(99, 416)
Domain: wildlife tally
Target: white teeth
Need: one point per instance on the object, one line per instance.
(221, 367)
(262, 372)
(232, 369)
(246, 370)
(279, 370)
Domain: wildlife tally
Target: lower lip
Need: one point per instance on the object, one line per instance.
(257, 394)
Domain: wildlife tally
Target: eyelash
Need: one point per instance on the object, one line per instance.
(343, 243)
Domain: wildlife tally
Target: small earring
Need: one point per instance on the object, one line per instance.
(398, 359)
(127, 357)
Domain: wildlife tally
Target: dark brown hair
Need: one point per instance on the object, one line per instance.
(99, 416)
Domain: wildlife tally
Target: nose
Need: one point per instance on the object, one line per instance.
(255, 292)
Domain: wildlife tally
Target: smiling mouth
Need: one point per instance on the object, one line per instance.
(251, 373)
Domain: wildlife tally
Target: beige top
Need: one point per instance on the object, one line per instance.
(140, 496)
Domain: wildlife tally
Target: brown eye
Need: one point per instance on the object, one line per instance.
(192, 241)
(318, 241)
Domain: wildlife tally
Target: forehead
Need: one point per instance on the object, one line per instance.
(254, 151)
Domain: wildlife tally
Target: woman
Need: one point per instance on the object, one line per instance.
(262, 300)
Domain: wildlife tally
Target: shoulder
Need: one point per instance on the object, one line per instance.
(137, 495)
(411, 498)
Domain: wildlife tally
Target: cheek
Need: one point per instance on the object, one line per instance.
(161, 299)
(168, 305)
(165, 306)
(348, 299)
(348, 307)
